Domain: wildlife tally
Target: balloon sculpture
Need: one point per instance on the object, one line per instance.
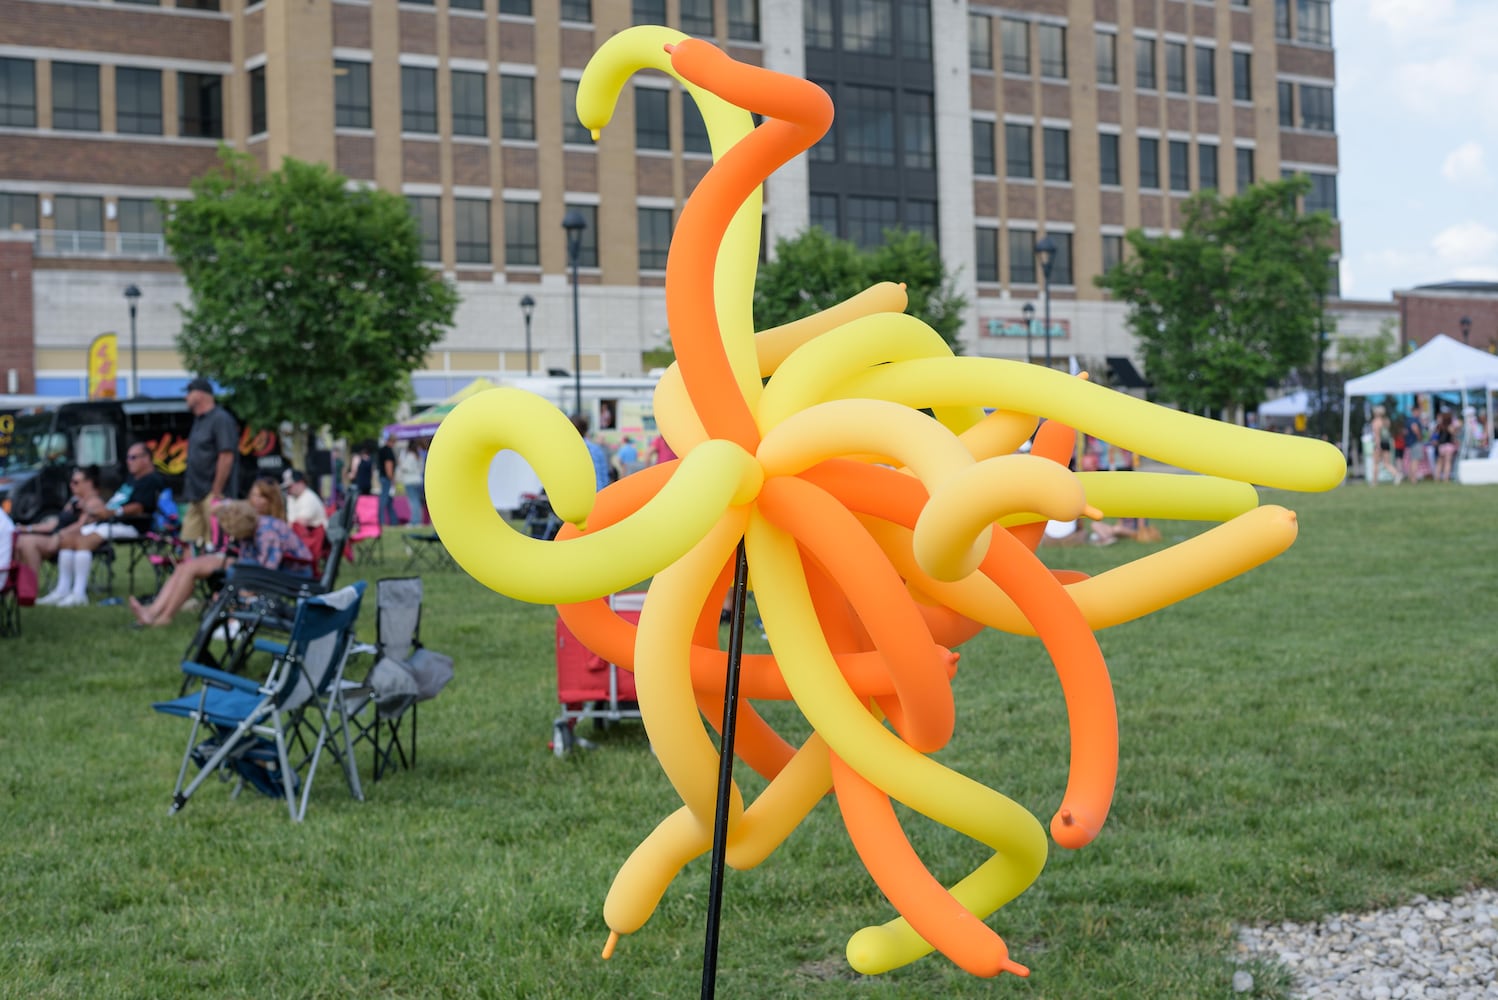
(879, 536)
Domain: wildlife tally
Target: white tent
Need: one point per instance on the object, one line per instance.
(1440, 365)
(1293, 405)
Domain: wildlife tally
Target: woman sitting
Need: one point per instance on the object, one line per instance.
(42, 541)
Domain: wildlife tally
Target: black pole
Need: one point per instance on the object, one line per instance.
(577, 344)
(134, 367)
(1048, 315)
(1320, 363)
(725, 774)
(527, 345)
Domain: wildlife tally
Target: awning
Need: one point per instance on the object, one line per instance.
(1123, 374)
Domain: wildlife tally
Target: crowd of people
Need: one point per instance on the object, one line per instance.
(1409, 447)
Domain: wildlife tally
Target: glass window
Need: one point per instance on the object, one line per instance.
(1107, 58)
(140, 225)
(1180, 165)
(919, 216)
(1243, 76)
(1052, 39)
(655, 237)
(1323, 194)
(522, 236)
(521, 7)
(18, 93)
(1206, 166)
(1110, 172)
(868, 132)
(1175, 67)
(985, 163)
(697, 18)
(587, 254)
(1022, 256)
(257, 100)
(426, 210)
(471, 230)
(517, 106)
(1282, 19)
(821, 26)
(1286, 92)
(1015, 36)
(1314, 22)
(917, 131)
(986, 253)
(825, 151)
(17, 211)
(75, 96)
(869, 27)
(76, 214)
(1149, 162)
(137, 96)
(200, 105)
(915, 29)
(351, 107)
(694, 137)
(743, 20)
(1113, 247)
(466, 4)
(573, 131)
(470, 105)
(1146, 77)
(1057, 147)
(1061, 270)
(652, 118)
(980, 41)
(1244, 166)
(1206, 71)
(1316, 108)
(198, 4)
(577, 10)
(647, 11)
(824, 212)
(868, 218)
(1019, 156)
(418, 99)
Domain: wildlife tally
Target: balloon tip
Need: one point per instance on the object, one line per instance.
(608, 947)
(670, 48)
(1092, 513)
(1008, 965)
(1066, 817)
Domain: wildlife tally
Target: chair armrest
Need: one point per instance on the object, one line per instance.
(219, 678)
(270, 646)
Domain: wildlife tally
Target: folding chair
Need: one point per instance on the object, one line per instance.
(252, 722)
(425, 550)
(364, 541)
(17, 591)
(590, 687)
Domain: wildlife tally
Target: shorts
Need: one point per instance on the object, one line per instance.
(110, 529)
(196, 526)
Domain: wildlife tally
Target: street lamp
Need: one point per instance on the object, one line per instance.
(1321, 361)
(132, 296)
(527, 305)
(574, 223)
(1029, 314)
(1466, 324)
(1046, 251)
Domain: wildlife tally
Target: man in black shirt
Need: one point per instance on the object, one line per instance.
(126, 515)
(211, 448)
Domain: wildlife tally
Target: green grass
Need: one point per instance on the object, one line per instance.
(1316, 736)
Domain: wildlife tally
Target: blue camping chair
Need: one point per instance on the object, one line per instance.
(253, 724)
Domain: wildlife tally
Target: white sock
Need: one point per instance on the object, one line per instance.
(83, 561)
(64, 572)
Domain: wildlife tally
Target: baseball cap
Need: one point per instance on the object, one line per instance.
(292, 476)
(200, 385)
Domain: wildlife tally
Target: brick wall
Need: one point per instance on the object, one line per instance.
(17, 314)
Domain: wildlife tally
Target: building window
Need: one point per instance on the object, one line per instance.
(517, 107)
(986, 253)
(868, 218)
(979, 40)
(1286, 91)
(522, 236)
(1061, 269)
(825, 150)
(868, 27)
(1113, 247)
(520, 7)
(743, 20)
(821, 26)
(200, 105)
(137, 98)
(647, 11)
(868, 132)
(466, 4)
(697, 18)
(140, 226)
(471, 230)
(1243, 76)
(1175, 67)
(1316, 108)
(17, 212)
(426, 210)
(824, 213)
(75, 214)
(985, 163)
(578, 10)
(470, 106)
(418, 99)
(573, 131)
(75, 96)
(1313, 25)
(652, 118)
(655, 238)
(917, 131)
(1056, 143)
(1149, 162)
(1206, 166)
(587, 254)
(18, 93)
(915, 29)
(351, 107)
(1206, 71)
(694, 137)
(1014, 35)
(1146, 77)
(1019, 157)
(257, 100)
(1110, 170)
(1052, 39)
(1106, 44)
(1180, 165)
(1323, 194)
(198, 4)
(1244, 166)
(1021, 256)
(919, 216)
(1282, 20)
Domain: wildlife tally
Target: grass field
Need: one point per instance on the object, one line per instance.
(1319, 735)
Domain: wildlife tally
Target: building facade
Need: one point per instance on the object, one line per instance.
(995, 128)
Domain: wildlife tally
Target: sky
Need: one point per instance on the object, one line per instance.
(1417, 124)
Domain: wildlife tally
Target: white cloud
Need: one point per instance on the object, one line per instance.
(1465, 244)
(1465, 164)
(1401, 16)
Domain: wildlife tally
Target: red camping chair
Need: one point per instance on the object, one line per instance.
(590, 687)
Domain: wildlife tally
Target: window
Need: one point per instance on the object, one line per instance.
(1113, 247)
(1323, 194)
(647, 11)
(522, 236)
(471, 230)
(137, 96)
(1056, 143)
(1021, 256)
(426, 210)
(984, 162)
(140, 225)
(17, 212)
(18, 93)
(1052, 39)
(743, 20)
(351, 107)
(697, 18)
(1180, 165)
(418, 99)
(868, 27)
(1286, 91)
(470, 106)
(1282, 19)
(1110, 172)
(821, 31)
(1244, 166)
(1015, 37)
(577, 10)
(1206, 165)
(573, 130)
(868, 132)
(75, 96)
(1314, 24)
(1316, 110)
(466, 4)
(920, 217)
(517, 107)
(652, 118)
(200, 105)
(1243, 76)
(587, 254)
(655, 238)
(521, 7)
(1146, 77)
(74, 214)
(1061, 269)
(1206, 71)
(694, 137)
(1149, 162)
(824, 213)
(1106, 44)
(868, 218)
(917, 131)
(1019, 158)
(825, 151)
(979, 40)
(198, 4)
(915, 29)
(1175, 67)
(986, 253)
(257, 100)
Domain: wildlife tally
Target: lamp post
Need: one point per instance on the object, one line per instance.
(132, 296)
(527, 305)
(1046, 251)
(574, 223)
(1466, 324)
(1029, 314)
(1321, 361)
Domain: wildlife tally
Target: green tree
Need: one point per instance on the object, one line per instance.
(816, 270)
(1231, 306)
(310, 303)
(1361, 355)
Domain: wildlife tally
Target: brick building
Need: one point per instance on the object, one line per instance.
(1463, 310)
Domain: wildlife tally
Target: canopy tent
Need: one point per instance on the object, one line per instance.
(1295, 404)
(1440, 365)
(424, 424)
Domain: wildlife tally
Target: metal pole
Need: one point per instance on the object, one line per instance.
(577, 343)
(1320, 363)
(1048, 316)
(134, 368)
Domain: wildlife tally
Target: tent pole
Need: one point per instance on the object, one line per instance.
(1346, 424)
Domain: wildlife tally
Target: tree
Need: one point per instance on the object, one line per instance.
(1231, 306)
(816, 270)
(310, 303)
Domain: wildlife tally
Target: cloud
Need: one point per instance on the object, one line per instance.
(1465, 164)
(1466, 244)
(1402, 16)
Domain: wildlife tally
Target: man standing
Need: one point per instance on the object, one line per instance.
(212, 446)
(387, 484)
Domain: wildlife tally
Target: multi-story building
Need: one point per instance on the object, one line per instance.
(995, 128)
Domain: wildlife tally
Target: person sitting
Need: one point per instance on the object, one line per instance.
(40, 542)
(266, 542)
(126, 515)
(303, 505)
